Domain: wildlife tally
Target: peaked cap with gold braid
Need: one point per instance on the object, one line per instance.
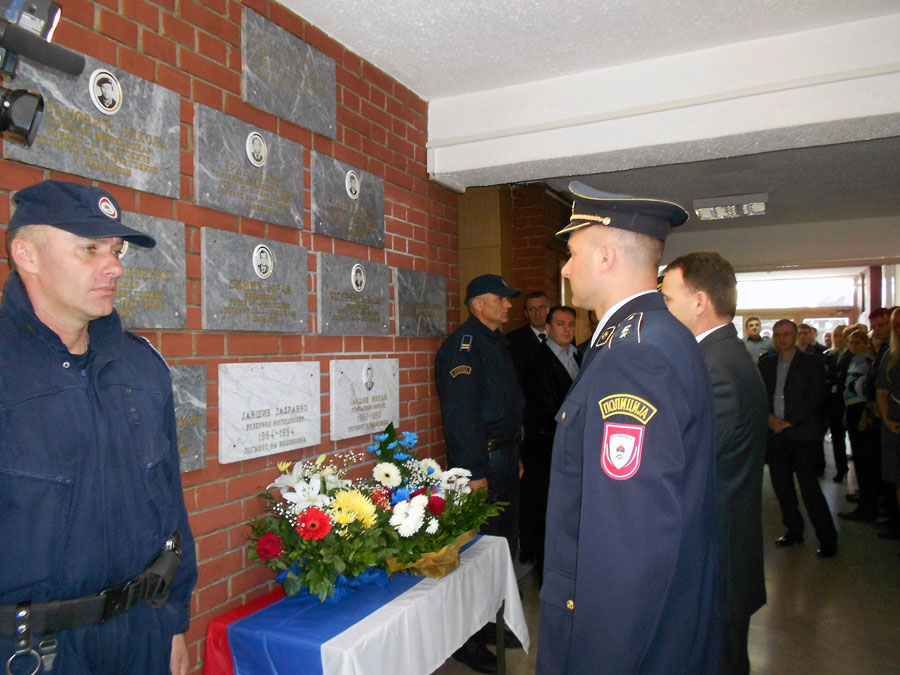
(653, 217)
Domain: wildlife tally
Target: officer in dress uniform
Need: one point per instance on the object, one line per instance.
(630, 581)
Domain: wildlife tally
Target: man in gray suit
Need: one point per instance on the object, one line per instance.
(701, 291)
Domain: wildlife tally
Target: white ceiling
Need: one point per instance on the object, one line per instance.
(843, 171)
(440, 49)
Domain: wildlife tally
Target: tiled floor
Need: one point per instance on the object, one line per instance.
(823, 616)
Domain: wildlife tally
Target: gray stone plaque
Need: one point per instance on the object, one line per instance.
(421, 304)
(151, 293)
(365, 396)
(252, 284)
(189, 388)
(267, 408)
(353, 296)
(247, 171)
(286, 77)
(130, 137)
(347, 203)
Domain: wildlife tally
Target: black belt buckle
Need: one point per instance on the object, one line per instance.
(118, 599)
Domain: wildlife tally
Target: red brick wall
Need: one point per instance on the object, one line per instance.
(194, 49)
(536, 217)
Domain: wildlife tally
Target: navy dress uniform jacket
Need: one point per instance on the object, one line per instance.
(630, 573)
(89, 485)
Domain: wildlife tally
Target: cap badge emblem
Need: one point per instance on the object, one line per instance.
(107, 207)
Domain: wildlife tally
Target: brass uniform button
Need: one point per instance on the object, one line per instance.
(564, 417)
(570, 604)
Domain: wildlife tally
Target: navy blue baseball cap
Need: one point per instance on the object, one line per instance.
(653, 217)
(80, 209)
(490, 283)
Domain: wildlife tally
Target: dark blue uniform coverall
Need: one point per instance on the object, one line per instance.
(630, 581)
(89, 486)
(480, 402)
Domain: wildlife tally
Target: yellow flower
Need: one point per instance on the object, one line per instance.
(284, 467)
(351, 505)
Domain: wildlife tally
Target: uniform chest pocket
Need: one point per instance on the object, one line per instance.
(144, 424)
(568, 443)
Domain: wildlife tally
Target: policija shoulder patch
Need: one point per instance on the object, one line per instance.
(623, 444)
(461, 370)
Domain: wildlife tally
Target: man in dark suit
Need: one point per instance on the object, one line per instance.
(524, 341)
(551, 373)
(700, 289)
(630, 582)
(795, 387)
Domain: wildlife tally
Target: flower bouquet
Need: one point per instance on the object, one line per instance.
(326, 533)
(323, 532)
(433, 512)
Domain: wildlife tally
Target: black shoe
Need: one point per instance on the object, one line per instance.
(488, 635)
(889, 534)
(827, 550)
(858, 514)
(476, 656)
(853, 498)
(789, 539)
(839, 477)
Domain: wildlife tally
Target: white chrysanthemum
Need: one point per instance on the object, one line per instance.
(387, 474)
(408, 517)
(432, 526)
(456, 480)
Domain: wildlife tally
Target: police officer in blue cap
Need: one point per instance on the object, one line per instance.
(481, 406)
(630, 581)
(96, 553)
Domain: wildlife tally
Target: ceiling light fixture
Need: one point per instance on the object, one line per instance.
(735, 206)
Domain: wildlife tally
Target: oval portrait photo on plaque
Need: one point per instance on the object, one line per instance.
(105, 91)
(358, 278)
(351, 184)
(257, 150)
(368, 376)
(263, 261)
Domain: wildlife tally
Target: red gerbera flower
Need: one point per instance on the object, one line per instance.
(436, 505)
(313, 523)
(382, 498)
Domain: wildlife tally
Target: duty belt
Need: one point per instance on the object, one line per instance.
(152, 585)
(502, 443)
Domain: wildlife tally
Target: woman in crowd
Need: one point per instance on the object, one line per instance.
(887, 393)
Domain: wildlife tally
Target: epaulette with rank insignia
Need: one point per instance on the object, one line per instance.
(466, 343)
(605, 336)
(630, 328)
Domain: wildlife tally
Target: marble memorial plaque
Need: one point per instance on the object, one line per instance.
(353, 296)
(247, 171)
(365, 396)
(105, 124)
(421, 304)
(286, 77)
(252, 284)
(151, 293)
(189, 388)
(347, 203)
(267, 408)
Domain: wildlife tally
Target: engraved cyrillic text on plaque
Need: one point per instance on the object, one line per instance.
(421, 304)
(353, 296)
(286, 77)
(133, 142)
(189, 389)
(347, 203)
(247, 171)
(251, 284)
(151, 293)
(365, 396)
(267, 408)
